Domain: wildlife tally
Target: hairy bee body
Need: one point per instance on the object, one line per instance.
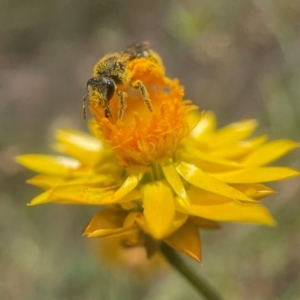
(134, 67)
(114, 67)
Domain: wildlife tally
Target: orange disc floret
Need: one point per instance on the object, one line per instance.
(149, 70)
(142, 137)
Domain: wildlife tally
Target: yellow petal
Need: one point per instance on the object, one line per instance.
(234, 212)
(136, 173)
(196, 177)
(239, 148)
(234, 132)
(270, 152)
(202, 201)
(254, 190)
(41, 198)
(208, 162)
(111, 232)
(49, 181)
(218, 208)
(174, 179)
(129, 205)
(133, 195)
(139, 218)
(263, 174)
(205, 126)
(46, 181)
(99, 180)
(80, 145)
(159, 208)
(79, 139)
(131, 218)
(53, 165)
(200, 197)
(110, 166)
(73, 194)
(204, 223)
(178, 220)
(186, 240)
(193, 119)
(107, 222)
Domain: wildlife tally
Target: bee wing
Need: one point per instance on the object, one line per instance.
(138, 50)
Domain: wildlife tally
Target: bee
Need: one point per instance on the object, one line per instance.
(116, 70)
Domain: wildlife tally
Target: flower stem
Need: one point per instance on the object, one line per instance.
(201, 285)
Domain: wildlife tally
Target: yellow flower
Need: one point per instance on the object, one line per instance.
(161, 175)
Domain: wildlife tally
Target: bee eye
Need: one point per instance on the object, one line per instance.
(90, 82)
(110, 88)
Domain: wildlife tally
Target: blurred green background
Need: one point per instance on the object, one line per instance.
(240, 59)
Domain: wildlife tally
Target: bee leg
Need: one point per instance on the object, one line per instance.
(107, 111)
(84, 105)
(138, 85)
(122, 104)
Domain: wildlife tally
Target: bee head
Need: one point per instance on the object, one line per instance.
(105, 87)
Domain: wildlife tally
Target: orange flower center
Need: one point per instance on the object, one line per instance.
(142, 136)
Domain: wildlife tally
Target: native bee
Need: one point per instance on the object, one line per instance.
(117, 71)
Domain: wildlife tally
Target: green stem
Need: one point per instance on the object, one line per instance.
(201, 285)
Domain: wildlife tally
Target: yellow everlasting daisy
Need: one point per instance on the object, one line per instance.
(160, 175)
